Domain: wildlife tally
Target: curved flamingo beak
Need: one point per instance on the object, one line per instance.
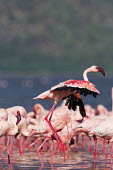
(18, 117)
(101, 70)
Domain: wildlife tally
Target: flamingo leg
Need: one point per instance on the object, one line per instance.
(111, 155)
(46, 139)
(106, 154)
(1, 141)
(50, 125)
(21, 145)
(50, 112)
(103, 145)
(9, 150)
(51, 155)
(95, 150)
(90, 146)
(27, 143)
(40, 159)
(33, 143)
(38, 153)
(48, 122)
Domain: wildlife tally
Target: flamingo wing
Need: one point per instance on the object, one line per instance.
(74, 100)
(81, 86)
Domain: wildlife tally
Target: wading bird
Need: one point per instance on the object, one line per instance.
(71, 90)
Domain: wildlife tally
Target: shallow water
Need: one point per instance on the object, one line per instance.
(76, 160)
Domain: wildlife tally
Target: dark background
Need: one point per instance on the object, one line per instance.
(44, 42)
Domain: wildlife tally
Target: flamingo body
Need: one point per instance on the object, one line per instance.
(104, 130)
(71, 90)
(81, 86)
(67, 88)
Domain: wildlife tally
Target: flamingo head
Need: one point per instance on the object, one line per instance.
(3, 114)
(37, 108)
(18, 117)
(98, 69)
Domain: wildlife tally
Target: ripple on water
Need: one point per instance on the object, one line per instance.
(75, 161)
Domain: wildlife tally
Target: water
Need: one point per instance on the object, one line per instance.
(77, 160)
(20, 90)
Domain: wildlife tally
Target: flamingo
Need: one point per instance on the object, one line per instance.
(5, 127)
(72, 90)
(8, 127)
(20, 125)
(101, 111)
(40, 111)
(104, 130)
(4, 124)
(61, 120)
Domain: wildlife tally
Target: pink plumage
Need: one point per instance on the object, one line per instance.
(78, 85)
(71, 90)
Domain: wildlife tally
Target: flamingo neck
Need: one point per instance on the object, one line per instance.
(85, 75)
(23, 127)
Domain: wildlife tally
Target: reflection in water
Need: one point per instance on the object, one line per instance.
(76, 160)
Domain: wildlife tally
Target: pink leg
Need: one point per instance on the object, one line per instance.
(46, 139)
(28, 141)
(54, 146)
(50, 125)
(103, 145)
(95, 150)
(9, 149)
(82, 147)
(51, 151)
(21, 145)
(50, 112)
(1, 141)
(106, 154)
(40, 159)
(33, 143)
(90, 147)
(38, 153)
(53, 130)
(111, 155)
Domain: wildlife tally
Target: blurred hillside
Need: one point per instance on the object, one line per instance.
(56, 35)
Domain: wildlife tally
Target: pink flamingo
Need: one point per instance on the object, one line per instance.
(4, 129)
(4, 124)
(35, 117)
(40, 111)
(38, 114)
(8, 128)
(87, 125)
(60, 120)
(21, 126)
(104, 130)
(101, 111)
(71, 89)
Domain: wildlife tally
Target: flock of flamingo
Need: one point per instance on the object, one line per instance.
(63, 127)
